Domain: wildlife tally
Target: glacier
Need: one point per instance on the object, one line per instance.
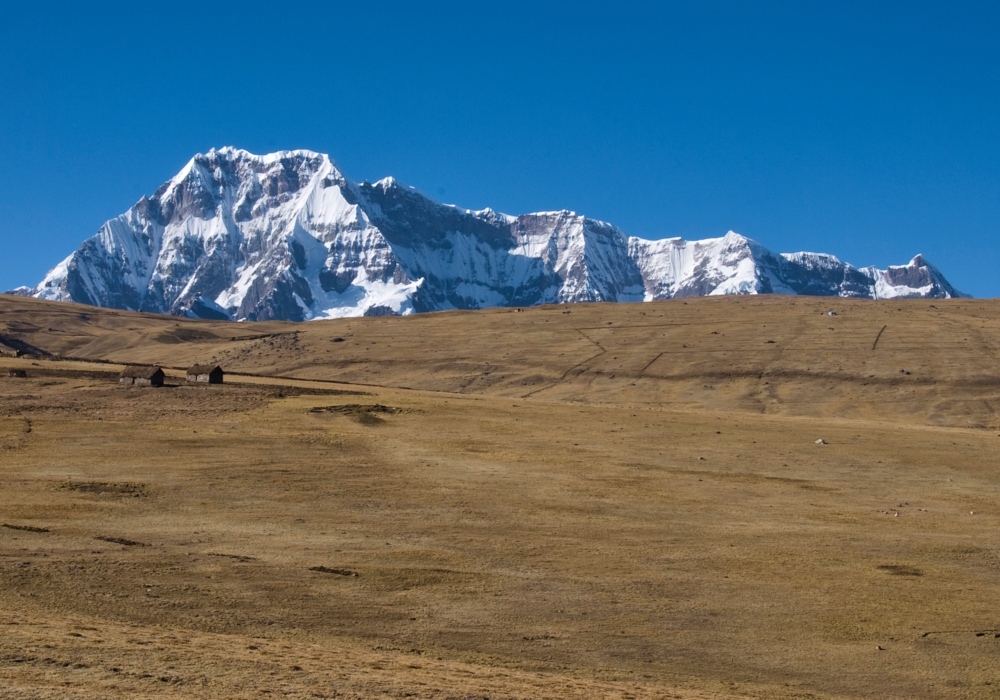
(286, 236)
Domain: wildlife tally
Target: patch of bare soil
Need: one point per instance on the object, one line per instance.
(900, 569)
(25, 528)
(357, 408)
(328, 570)
(120, 488)
(121, 541)
(366, 414)
(185, 335)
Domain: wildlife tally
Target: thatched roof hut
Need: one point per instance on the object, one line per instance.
(210, 374)
(141, 375)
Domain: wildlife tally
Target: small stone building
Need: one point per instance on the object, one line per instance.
(209, 374)
(141, 375)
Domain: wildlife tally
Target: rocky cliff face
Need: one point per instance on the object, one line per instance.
(287, 236)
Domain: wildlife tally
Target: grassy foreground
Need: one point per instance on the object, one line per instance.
(587, 501)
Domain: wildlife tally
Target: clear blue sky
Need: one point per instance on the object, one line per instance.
(868, 130)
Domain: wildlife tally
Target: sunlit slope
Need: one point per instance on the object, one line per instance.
(935, 361)
(617, 501)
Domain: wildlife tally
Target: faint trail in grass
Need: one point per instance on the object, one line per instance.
(650, 363)
(879, 336)
(576, 366)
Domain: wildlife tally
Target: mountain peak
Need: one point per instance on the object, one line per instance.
(286, 236)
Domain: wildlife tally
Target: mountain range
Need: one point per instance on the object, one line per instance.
(287, 236)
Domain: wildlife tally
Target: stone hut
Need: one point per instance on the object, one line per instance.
(140, 375)
(209, 374)
(17, 373)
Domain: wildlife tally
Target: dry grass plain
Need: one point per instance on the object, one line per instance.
(602, 500)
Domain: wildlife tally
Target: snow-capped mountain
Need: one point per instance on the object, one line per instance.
(287, 236)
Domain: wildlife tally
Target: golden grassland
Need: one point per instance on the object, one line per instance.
(588, 501)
